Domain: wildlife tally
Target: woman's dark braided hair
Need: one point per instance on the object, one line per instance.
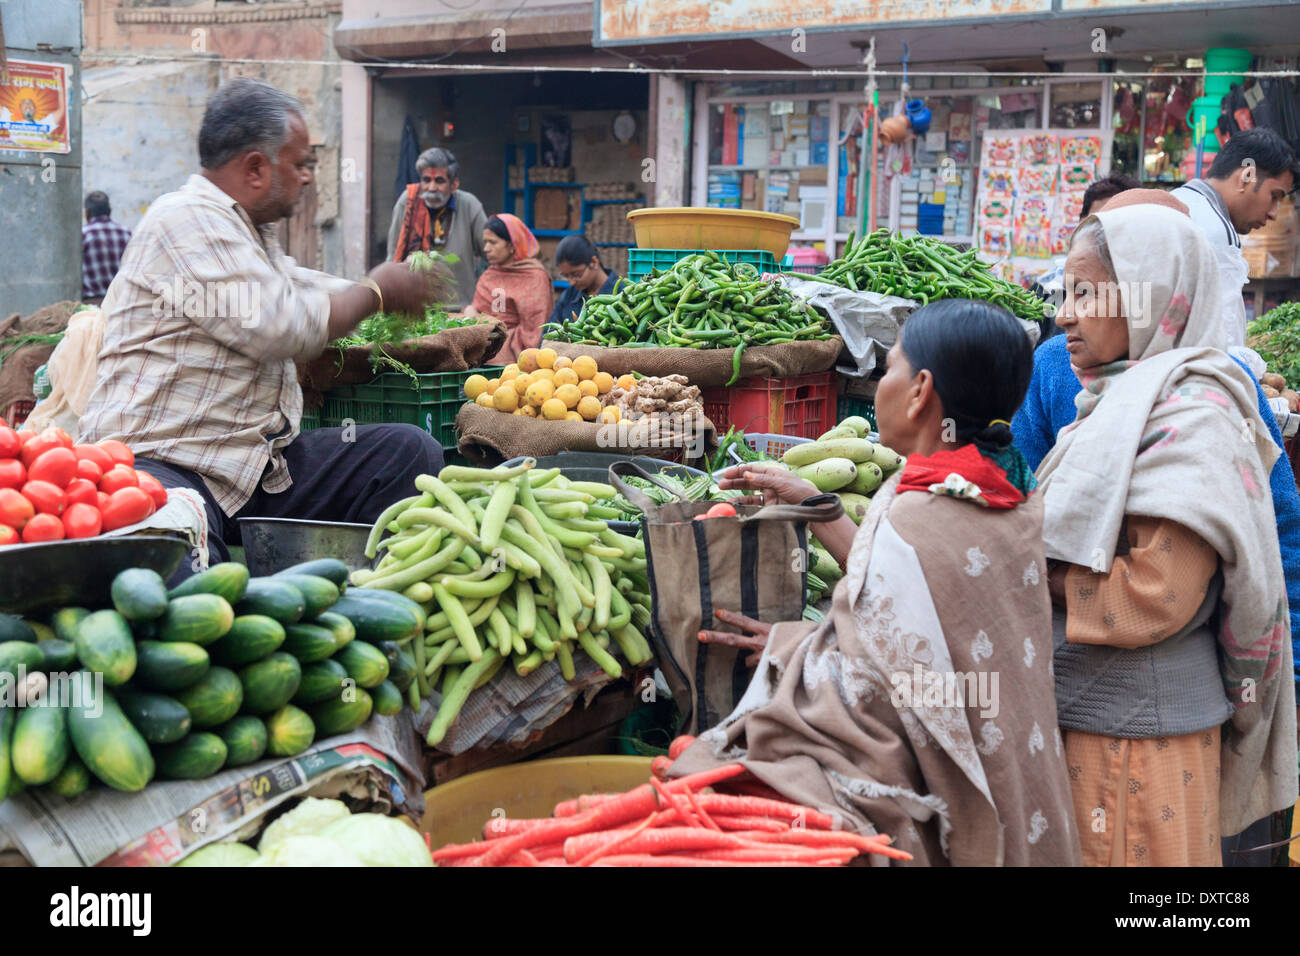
(981, 359)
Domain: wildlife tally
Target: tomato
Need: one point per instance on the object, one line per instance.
(8, 535)
(96, 454)
(15, 510)
(103, 499)
(12, 473)
(10, 445)
(25, 435)
(89, 470)
(45, 498)
(58, 466)
(154, 487)
(43, 528)
(721, 510)
(118, 451)
(126, 506)
(82, 521)
(38, 446)
(81, 491)
(117, 477)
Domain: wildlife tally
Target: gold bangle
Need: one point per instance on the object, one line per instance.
(370, 283)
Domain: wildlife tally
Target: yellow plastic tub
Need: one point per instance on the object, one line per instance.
(456, 811)
(687, 227)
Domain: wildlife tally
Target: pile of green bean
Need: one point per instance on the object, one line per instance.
(702, 302)
(925, 270)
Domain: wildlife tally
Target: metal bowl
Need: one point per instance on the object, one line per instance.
(79, 572)
(273, 544)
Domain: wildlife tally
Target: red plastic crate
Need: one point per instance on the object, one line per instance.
(17, 412)
(802, 405)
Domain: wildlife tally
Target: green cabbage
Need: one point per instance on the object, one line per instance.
(306, 819)
(221, 854)
(379, 840)
(308, 851)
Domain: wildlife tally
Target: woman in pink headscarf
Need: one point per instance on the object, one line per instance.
(515, 288)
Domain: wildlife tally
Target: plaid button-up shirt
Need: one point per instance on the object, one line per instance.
(102, 243)
(201, 330)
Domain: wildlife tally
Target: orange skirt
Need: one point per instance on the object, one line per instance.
(1146, 802)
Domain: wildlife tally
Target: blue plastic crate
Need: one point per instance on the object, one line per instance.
(641, 262)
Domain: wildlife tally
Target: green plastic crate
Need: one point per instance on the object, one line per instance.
(640, 262)
(310, 420)
(849, 406)
(392, 398)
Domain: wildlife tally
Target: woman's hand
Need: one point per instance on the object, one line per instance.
(776, 485)
(754, 640)
(470, 310)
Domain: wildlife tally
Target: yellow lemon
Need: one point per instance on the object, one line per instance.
(572, 417)
(627, 382)
(562, 361)
(528, 360)
(546, 358)
(544, 373)
(485, 400)
(609, 415)
(492, 385)
(505, 399)
(553, 410)
(509, 372)
(475, 386)
(521, 383)
(588, 387)
(566, 376)
(604, 382)
(585, 366)
(589, 407)
(539, 392)
(569, 395)
(527, 411)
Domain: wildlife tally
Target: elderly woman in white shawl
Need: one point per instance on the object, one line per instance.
(1173, 660)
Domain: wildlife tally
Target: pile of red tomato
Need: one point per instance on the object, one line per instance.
(52, 488)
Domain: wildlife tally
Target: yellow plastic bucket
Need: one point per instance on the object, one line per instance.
(456, 811)
(688, 227)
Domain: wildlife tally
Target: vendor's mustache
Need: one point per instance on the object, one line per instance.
(433, 197)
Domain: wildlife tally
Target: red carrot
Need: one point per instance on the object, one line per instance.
(679, 745)
(708, 778)
(758, 806)
(669, 860)
(659, 767)
(499, 827)
(459, 851)
(733, 822)
(617, 843)
(636, 804)
(699, 810)
(675, 801)
(760, 854)
(659, 840)
(569, 808)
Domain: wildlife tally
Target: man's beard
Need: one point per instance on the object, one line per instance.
(434, 199)
(276, 206)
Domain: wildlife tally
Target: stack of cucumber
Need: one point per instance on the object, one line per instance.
(216, 673)
(512, 567)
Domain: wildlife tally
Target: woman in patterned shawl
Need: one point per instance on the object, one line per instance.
(922, 706)
(1173, 663)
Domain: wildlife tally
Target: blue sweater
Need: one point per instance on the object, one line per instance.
(1049, 407)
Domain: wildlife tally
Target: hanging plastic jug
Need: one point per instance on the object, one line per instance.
(919, 116)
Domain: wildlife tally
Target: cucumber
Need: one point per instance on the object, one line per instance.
(365, 663)
(197, 756)
(73, 780)
(317, 593)
(343, 630)
(110, 747)
(57, 655)
(401, 665)
(828, 474)
(19, 654)
(159, 718)
(855, 506)
(340, 716)
(869, 478)
(331, 569)
(43, 631)
(7, 717)
(309, 642)
(196, 619)
(274, 598)
(393, 598)
(245, 739)
(105, 645)
(14, 628)
(270, 684)
(139, 594)
(387, 698)
(320, 681)
(65, 622)
(854, 449)
(170, 666)
(289, 731)
(251, 638)
(214, 699)
(227, 580)
(377, 619)
(39, 747)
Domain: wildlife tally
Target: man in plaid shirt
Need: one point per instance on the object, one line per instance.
(102, 243)
(205, 320)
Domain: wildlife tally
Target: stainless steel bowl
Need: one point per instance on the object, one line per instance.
(80, 572)
(273, 544)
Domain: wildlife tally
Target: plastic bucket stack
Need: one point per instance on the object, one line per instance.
(1226, 60)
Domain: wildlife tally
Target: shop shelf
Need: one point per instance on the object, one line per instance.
(802, 406)
(640, 262)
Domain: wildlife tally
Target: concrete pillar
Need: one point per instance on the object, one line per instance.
(354, 169)
(669, 109)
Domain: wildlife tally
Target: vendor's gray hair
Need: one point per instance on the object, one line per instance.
(438, 158)
(245, 114)
(1090, 230)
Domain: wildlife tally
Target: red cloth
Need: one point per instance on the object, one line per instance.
(922, 471)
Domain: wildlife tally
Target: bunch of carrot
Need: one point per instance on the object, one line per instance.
(670, 823)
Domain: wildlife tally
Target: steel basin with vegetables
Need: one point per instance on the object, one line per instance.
(79, 571)
(273, 544)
